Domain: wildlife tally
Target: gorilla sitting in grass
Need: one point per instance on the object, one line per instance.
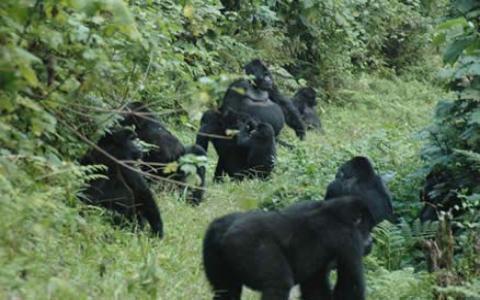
(122, 189)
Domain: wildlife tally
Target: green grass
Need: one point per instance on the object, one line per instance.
(51, 247)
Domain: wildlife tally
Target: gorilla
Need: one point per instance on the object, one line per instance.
(250, 153)
(272, 251)
(262, 100)
(357, 177)
(438, 194)
(122, 190)
(258, 140)
(168, 148)
(305, 100)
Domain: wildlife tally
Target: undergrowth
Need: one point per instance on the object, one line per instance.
(52, 247)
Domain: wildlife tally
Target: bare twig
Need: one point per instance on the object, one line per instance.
(123, 164)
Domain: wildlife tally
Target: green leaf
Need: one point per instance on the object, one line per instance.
(29, 75)
(188, 168)
(465, 6)
(462, 22)
(475, 118)
(455, 49)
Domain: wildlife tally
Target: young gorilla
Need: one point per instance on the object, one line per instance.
(272, 251)
(305, 101)
(123, 190)
(259, 142)
(251, 152)
(169, 148)
(358, 178)
(262, 100)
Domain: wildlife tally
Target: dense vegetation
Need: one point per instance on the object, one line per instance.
(67, 66)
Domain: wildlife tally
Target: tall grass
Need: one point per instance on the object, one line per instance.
(52, 247)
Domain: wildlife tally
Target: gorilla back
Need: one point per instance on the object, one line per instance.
(241, 97)
(251, 152)
(262, 100)
(272, 251)
(123, 190)
(168, 147)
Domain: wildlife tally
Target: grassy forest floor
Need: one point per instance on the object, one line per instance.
(70, 255)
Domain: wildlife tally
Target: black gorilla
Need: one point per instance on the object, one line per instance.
(357, 177)
(124, 190)
(251, 152)
(168, 147)
(272, 251)
(305, 100)
(438, 194)
(258, 140)
(261, 100)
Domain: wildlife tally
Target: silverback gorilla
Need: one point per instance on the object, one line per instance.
(305, 100)
(358, 178)
(272, 251)
(168, 147)
(262, 100)
(251, 152)
(123, 190)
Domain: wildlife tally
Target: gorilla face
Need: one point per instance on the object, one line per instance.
(121, 145)
(310, 96)
(263, 78)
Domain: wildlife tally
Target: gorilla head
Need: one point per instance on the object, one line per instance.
(357, 177)
(119, 144)
(307, 95)
(263, 78)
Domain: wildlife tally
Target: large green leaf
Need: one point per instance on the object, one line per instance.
(456, 48)
(465, 6)
(461, 21)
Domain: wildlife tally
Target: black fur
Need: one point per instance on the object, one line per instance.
(251, 152)
(272, 251)
(168, 147)
(358, 178)
(305, 101)
(124, 190)
(262, 100)
(438, 194)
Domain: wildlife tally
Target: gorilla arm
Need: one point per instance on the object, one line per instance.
(208, 125)
(292, 115)
(144, 200)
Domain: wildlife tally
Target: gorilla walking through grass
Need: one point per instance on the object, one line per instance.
(272, 251)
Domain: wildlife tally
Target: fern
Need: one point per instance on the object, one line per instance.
(397, 245)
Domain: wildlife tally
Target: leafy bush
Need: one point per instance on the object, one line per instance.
(327, 40)
(454, 136)
(453, 149)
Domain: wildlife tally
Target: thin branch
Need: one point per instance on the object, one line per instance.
(121, 163)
